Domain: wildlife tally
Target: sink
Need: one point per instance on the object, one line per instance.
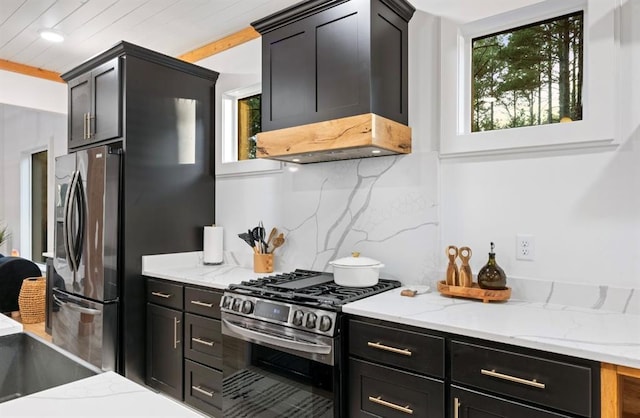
(29, 364)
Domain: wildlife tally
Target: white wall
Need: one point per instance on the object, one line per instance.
(583, 207)
(34, 119)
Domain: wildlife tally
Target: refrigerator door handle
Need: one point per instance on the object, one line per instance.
(75, 307)
(68, 227)
(82, 219)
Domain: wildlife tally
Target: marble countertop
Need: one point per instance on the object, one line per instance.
(9, 326)
(103, 395)
(188, 268)
(587, 333)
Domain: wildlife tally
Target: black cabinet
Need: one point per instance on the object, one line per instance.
(471, 404)
(184, 343)
(333, 59)
(165, 321)
(394, 371)
(95, 105)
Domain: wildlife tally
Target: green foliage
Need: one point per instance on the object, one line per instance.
(4, 234)
(528, 76)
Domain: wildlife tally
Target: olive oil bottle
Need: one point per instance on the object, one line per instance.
(491, 276)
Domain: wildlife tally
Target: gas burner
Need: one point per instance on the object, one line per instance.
(312, 288)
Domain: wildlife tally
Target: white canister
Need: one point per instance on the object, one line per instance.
(356, 271)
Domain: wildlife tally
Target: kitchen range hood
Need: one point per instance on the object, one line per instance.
(335, 81)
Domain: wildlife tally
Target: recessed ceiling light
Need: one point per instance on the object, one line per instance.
(375, 151)
(296, 160)
(52, 35)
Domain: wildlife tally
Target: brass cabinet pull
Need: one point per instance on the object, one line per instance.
(533, 382)
(176, 341)
(161, 295)
(456, 408)
(200, 341)
(205, 304)
(391, 405)
(403, 351)
(85, 116)
(209, 393)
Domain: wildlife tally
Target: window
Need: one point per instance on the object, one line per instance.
(528, 76)
(241, 121)
(516, 98)
(249, 124)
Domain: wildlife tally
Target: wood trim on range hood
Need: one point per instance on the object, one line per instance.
(360, 136)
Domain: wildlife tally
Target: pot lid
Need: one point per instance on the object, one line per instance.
(355, 261)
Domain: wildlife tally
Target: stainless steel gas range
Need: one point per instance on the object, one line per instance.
(282, 344)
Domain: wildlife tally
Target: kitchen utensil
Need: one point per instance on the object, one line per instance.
(278, 241)
(263, 263)
(356, 271)
(452, 269)
(258, 235)
(272, 235)
(248, 238)
(417, 290)
(466, 277)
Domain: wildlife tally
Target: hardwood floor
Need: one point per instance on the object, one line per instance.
(37, 329)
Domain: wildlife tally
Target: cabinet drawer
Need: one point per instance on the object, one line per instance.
(416, 352)
(164, 293)
(203, 388)
(381, 391)
(471, 404)
(549, 383)
(202, 302)
(203, 340)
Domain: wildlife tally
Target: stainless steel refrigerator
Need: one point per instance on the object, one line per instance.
(85, 289)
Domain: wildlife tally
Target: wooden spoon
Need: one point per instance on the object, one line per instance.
(278, 241)
(272, 235)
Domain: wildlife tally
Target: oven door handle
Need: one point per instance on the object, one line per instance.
(252, 335)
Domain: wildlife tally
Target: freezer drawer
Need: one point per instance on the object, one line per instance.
(85, 328)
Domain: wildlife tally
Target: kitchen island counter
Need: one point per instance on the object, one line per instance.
(9, 326)
(104, 395)
(587, 333)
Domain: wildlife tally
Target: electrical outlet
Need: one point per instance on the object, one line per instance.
(525, 247)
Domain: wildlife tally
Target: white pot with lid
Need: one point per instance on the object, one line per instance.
(356, 271)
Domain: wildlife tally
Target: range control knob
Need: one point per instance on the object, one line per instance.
(237, 303)
(311, 320)
(226, 301)
(325, 323)
(247, 307)
(297, 318)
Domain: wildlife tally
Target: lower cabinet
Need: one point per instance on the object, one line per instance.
(164, 350)
(184, 344)
(381, 391)
(470, 404)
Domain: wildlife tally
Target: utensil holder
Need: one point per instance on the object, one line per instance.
(263, 263)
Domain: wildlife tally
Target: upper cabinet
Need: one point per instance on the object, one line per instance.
(332, 72)
(95, 105)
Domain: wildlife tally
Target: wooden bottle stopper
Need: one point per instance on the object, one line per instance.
(466, 277)
(453, 274)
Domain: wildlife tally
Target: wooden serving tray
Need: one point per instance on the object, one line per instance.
(474, 292)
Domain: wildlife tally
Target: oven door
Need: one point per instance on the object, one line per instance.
(273, 371)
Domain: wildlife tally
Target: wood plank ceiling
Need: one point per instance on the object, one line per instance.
(173, 27)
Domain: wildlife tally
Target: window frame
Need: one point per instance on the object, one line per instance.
(26, 200)
(600, 83)
(228, 163)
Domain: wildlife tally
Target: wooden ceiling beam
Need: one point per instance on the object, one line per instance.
(30, 71)
(228, 42)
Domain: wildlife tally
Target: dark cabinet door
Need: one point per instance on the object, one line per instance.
(79, 109)
(164, 350)
(104, 121)
(470, 404)
(95, 105)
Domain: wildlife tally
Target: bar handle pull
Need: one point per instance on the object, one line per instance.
(84, 125)
(161, 295)
(380, 401)
(176, 341)
(520, 380)
(209, 393)
(205, 304)
(456, 408)
(89, 131)
(403, 351)
(201, 341)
